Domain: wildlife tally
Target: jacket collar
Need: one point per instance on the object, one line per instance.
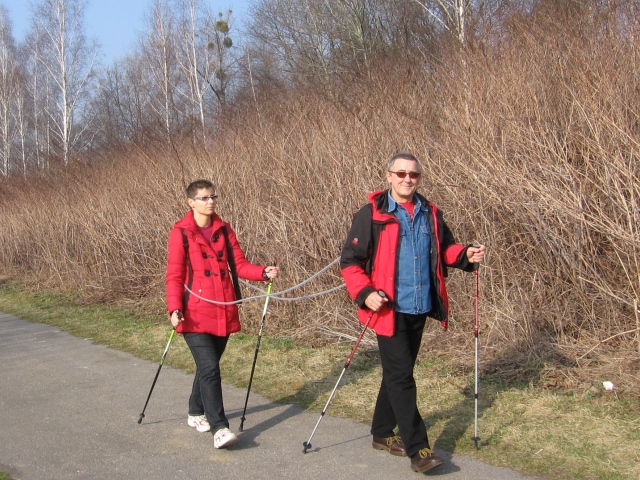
(380, 201)
(188, 222)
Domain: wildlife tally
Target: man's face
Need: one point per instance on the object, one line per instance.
(402, 189)
(200, 205)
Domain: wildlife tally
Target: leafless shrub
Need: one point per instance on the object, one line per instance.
(530, 145)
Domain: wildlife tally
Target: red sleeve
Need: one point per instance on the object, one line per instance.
(452, 255)
(176, 270)
(355, 255)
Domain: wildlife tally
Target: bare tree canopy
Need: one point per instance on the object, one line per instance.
(58, 44)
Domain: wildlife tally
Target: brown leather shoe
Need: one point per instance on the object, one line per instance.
(425, 460)
(393, 445)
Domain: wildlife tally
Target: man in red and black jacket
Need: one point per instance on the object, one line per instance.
(400, 244)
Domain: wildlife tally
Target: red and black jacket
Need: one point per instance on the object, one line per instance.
(370, 256)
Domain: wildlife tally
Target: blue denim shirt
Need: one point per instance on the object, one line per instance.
(413, 282)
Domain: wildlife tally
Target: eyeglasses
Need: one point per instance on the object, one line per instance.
(412, 175)
(206, 199)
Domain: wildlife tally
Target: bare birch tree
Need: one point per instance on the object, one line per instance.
(38, 100)
(158, 50)
(9, 91)
(192, 62)
(68, 60)
(451, 14)
(23, 128)
(458, 17)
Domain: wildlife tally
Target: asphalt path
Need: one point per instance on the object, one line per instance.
(69, 409)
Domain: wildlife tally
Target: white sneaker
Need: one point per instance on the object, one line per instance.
(224, 438)
(200, 422)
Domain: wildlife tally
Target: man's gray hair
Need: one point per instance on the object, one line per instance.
(403, 156)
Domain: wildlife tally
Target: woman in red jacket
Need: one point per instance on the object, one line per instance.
(204, 255)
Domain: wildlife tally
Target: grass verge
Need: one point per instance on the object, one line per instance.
(548, 434)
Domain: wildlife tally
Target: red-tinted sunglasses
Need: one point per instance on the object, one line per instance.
(412, 175)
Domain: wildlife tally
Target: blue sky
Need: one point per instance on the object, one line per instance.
(115, 24)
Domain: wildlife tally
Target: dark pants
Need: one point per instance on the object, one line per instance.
(397, 399)
(206, 394)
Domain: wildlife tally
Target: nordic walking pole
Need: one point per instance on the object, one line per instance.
(307, 444)
(476, 327)
(255, 355)
(166, 349)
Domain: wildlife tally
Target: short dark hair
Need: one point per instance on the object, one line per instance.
(404, 156)
(199, 184)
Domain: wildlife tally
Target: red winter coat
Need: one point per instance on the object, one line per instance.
(208, 277)
(370, 254)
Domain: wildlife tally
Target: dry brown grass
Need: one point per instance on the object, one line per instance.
(535, 153)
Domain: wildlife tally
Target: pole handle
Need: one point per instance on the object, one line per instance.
(389, 303)
(475, 244)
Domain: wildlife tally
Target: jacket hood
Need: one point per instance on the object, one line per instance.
(373, 195)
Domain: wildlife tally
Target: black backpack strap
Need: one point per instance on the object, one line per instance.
(185, 244)
(232, 264)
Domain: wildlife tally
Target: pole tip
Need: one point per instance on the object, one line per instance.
(307, 446)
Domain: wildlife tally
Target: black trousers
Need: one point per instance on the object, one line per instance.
(206, 393)
(397, 399)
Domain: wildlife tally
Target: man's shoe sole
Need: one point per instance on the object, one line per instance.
(429, 466)
(377, 446)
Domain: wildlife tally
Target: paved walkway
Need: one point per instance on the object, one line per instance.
(69, 410)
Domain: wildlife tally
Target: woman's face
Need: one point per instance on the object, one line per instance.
(203, 202)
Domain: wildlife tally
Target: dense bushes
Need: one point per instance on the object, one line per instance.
(530, 144)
